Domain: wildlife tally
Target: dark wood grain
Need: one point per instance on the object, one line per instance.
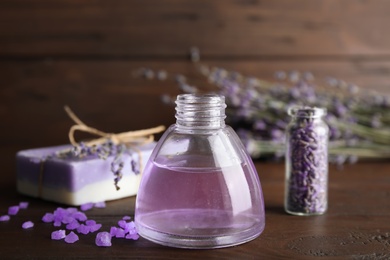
(82, 54)
(356, 225)
(106, 94)
(139, 28)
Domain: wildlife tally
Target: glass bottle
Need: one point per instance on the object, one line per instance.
(306, 188)
(200, 188)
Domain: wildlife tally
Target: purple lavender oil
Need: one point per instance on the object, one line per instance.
(200, 188)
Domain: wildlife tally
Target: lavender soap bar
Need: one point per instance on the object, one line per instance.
(75, 181)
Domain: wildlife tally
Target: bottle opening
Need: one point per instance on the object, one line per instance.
(200, 111)
(307, 112)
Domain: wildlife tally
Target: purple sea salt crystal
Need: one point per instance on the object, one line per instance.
(4, 218)
(67, 219)
(103, 239)
(101, 204)
(72, 226)
(58, 234)
(83, 229)
(59, 214)
(120, 233)
(130, 226)
(48, 217)
(94, 228)
(23, 205)
(90, 222)
(122, 223)
(126, 218)
(133, 236)
(86, 206)
(113, 231)
(27, 225)
(71, 210)
(80, 216)
(71, 238)
(13, 210)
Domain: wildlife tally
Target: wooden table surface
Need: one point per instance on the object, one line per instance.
(356, 226)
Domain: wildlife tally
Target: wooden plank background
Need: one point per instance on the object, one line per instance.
(82, 53)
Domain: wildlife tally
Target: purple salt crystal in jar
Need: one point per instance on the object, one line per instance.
(58, 234)
(103, 239)
(71, 238)
(306, 162)
(13, 210)
(27, 224)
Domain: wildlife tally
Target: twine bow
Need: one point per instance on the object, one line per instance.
(138, 137)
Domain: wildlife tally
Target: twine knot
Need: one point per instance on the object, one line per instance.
(129, 138)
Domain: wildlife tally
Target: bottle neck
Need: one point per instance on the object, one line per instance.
(195, 111)
(307, 114)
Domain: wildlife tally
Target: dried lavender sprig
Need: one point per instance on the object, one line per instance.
(102, 151)
(254, 102)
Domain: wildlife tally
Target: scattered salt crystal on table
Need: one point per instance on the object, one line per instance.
(27, 224)
(122, 223)
(59, 212)
(5, 218)
(48, 218)
(83, 229)
(57, 223)
(58, 234)
(126, 218)
(113, 231)
(67, 219)
(86, 206)
(100, 204)
(80, 216)
(13, 210)
(90, 222)
(120, 233)
(23, 205)
(95, 227)
(103, 239)
(134, 236)
(71, 210)
(129, 226)
(74, 225)
(71, 238)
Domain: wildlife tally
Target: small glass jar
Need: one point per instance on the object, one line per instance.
(200, 188)
(306, 188)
